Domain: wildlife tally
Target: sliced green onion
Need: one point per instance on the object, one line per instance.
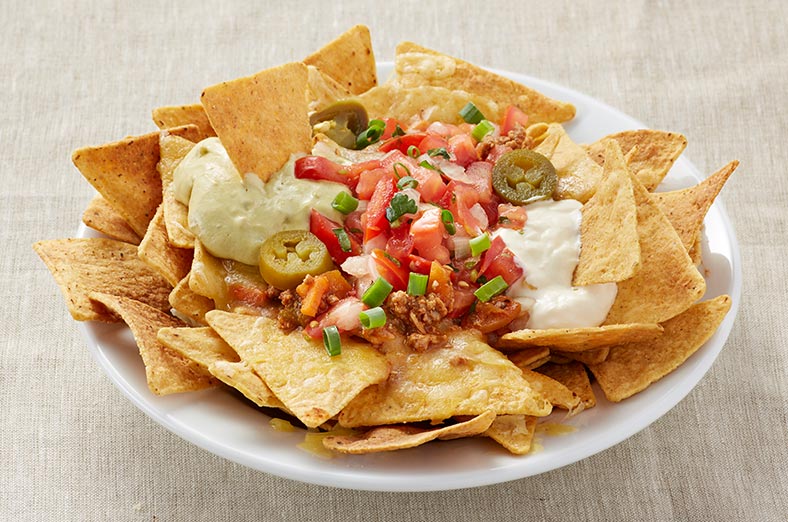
(479, 244)
(332, 341)
(490, 289)
(378, 124)
(413, 151)
(399, 165)
(417, 283)
(377, 293)
(344, 239)
(471, 114)
(427, 165)
(373, 318)
(344, 203)
(407, 182)
(481, 130)
(372, 134)
(441, 151)
(448, 221)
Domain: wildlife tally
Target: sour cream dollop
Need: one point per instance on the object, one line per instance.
(548, 249)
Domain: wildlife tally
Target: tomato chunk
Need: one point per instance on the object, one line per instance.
(376, 222)
(512, 118)
(324, 228)
(321, 169)
(391, 269)
(402, 143)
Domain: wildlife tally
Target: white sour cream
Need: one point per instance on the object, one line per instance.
(548, 249)
(233, 215)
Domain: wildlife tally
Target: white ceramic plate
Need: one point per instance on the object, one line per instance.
(220, 422)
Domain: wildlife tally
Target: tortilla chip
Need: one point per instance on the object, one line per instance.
(124, 172)
(323, 89)
(416, 66)
(213, 354)
(667, 282)
(696, 251)
(102, 217)
(207, 276)
(466, 377)
(166, 370)
(513, 432)
(425, 102)
(349, 60)
(651, 153)
(608, 232)
(190, 307)
(172, 263)
(261, 119)
(686, 208)
(556, 393)
(529, 358)
(580, 339)
(390, 438)
(631, 368)
(178, 115)
(578, 175)
(574, 376)
(176, 215)
(594, 356)
(310, 383)
(82, 266)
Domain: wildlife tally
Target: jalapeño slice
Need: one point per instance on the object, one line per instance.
(523, 176)
(287, 257)
(342, 122)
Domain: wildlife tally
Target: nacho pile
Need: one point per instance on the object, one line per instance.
(420, 317)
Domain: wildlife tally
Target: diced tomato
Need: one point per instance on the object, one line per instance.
(432, 141)
(400, 244)
(419, 265)
(496, 152)
(353, 225)
(499, 261)
(391, 128)
(368, 180)
(431, 184)
(463, 149)
(479, 174)
(460, 199)
(445, 130)
(463, 300)
(427, 232)
(511, 216)
(251, 295)
(376, 222)
(355, 170)
(402, 143)
(324, 228)
(321, 169)
(390, 269)
(513, 117)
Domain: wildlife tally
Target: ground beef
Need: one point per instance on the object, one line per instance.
(515, 139)
(422, 318)
(290, 316)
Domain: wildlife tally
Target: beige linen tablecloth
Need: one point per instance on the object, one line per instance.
(77, 73)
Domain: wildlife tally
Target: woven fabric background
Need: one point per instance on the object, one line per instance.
(76, 73)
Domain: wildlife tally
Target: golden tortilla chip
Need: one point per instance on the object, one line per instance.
(390, 438)
(578, 175)
(208, 276)
(650, 153)
(580, 339)
(166, 370)
(172, 263)
(608, 232)
(261, 119)
(213, 354)
(529, 358)
(686, 208)
(466, 377)
(310, 383)
(176, 215)
(631, 368)
(513, 432)
(178, 115)
(190, 307)
(348, 59)
(102, 217)
(667, 282)
(124, 172)
(574, 376)
(696, 250)
(416, 66)
(556, 393)
(594, 356)
(82, 266)
(323, 89)
(425, 102)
